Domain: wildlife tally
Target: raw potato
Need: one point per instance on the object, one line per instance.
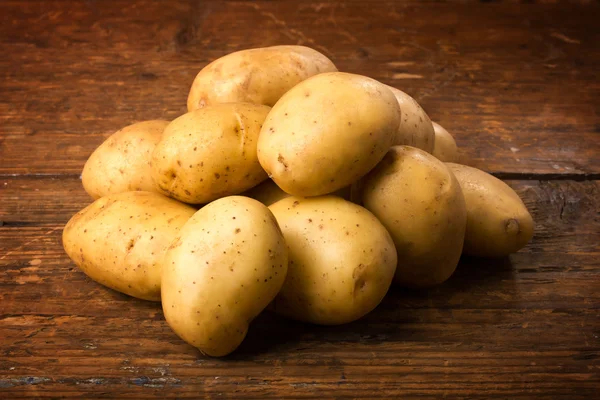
(416, 129)
(227, 264)
(498, 222)
(210, 153)
(445, 146)
(259, 76)
(119, 240)
(327, 132)
(342, 260)
(268, 193)
(420, 203)
(122, 162)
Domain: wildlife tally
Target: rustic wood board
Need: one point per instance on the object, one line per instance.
(516, 83)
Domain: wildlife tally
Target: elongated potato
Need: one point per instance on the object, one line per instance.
(326, 132)
(342, 260)
(416, 129)
(228, 262)
(259, 76)
(445, 146)
(122, 162)
(498, 222)
(419, 201)
(118, 240)
(210, 153)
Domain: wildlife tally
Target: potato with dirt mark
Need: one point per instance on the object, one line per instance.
(119, 240)
(342, 260)
(259, 76)
(210, 153)
(498, 222)
(327, 132)
(420, 202)
(225, 266)
(122, 162)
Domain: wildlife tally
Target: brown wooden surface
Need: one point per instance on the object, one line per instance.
(516, 83)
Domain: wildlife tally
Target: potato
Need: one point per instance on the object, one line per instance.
(268, 193)
(445, 146)
(210, 153)
(420, 203)
(416, 129)
(122, 162)
(326, 132)
(226, 265)
(118, 240)
(259, 76)
(498, 222)
(342, 260)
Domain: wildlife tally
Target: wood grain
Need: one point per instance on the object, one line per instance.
(515, 83)
(525, 326)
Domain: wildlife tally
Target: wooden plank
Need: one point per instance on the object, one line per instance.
(516, 83)
(526, 326)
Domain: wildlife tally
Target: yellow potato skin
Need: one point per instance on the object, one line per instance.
(416, 129)
(445, 146)
(259, 76)
(268, 193)
(498, 222)
(226, 265)
(342, 260)
(118, 240)
(122, 162)
(327, 132)
(210, 153)
(420, 202)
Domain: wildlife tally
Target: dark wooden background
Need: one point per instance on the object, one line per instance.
(516, 83)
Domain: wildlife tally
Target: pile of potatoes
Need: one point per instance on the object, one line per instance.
(287, 186)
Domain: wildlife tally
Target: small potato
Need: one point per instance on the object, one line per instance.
(118, 240)
(268, 193)
(227, 264)
(210, 153)
(259, 76)
(445, 146)
(498, 222)
(419, 201)
(416, 129)
(122, 162)
(342, 260)
(327, 132)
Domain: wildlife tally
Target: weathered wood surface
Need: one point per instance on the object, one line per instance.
(518, 327)
(516, 83)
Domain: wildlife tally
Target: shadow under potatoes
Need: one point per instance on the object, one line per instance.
(403, 315)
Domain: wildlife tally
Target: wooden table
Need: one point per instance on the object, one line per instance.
(516, 83)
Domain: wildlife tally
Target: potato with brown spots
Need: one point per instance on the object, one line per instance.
(226, 265)
(415, 129)
(210, 153)
(259, 76)
(122, 162)
(498, 222)
(342, 260)
(327, 132)
(420, 203)
(445, 146)
(118, 240)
